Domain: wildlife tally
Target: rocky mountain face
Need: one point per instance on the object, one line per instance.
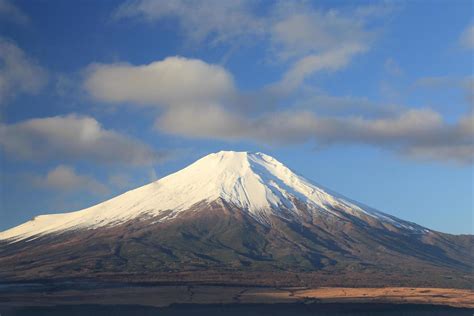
(235, 218)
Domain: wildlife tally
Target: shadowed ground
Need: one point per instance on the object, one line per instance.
(162, 296)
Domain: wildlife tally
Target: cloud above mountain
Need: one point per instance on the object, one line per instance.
(195, 108)
(307, 39)
(169, 82)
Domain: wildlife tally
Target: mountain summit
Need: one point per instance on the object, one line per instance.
(256, 183)
(235, 213)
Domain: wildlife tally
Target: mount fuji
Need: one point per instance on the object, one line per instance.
(234, 218)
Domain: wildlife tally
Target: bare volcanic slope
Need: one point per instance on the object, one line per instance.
(235, 218)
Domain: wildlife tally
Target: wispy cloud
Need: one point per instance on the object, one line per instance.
(297, 29)
(466, 84)
(306, 38)
(467, 37)
(10, 12)
(212, 21)
(305, 67)
(19, 73)
(65, 179)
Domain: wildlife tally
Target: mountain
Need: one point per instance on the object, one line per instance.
(234, 218)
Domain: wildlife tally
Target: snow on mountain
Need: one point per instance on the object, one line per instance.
(253, 182)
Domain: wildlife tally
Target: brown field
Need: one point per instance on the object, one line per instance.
(160, 296)
(397, 295)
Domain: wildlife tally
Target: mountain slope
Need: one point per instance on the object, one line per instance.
(235, 217)
(255, 183)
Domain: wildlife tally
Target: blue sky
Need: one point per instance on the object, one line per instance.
(371, 99)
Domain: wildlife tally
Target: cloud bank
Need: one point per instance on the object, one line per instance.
(170, 82)
(191, 112)
(73, 138)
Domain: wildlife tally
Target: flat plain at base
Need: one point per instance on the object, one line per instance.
(162, 296)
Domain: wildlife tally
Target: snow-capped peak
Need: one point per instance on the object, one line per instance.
(253, 182)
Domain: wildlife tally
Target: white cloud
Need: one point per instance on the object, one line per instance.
(467, 37)
(194, 109)
(12, 13)
(329, 61)
(298, 33)
(209, 121)
(65, 179)
(316, 40)
(450, 143)
(72, 138)
(463, 154)
(299, 30)
(18, 72)
(170, 82)
(416, 133)
(294, 126)
(213, 20)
